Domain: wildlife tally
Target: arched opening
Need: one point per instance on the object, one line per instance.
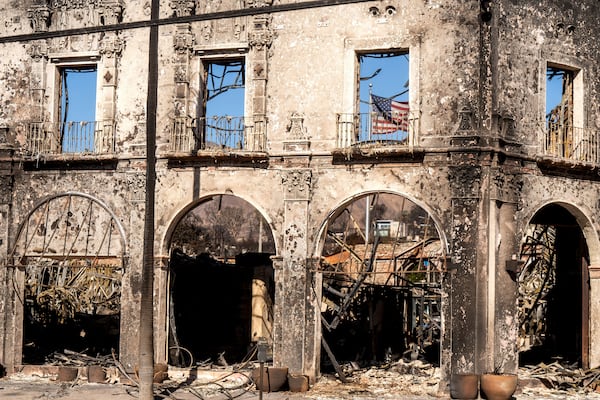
(71, 250)
(382, 267)
(221, 283)
(554, 290)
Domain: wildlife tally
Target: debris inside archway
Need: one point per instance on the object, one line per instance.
(71, 304)
(221, 283)
(218, 309)
(69, 253)
(381, 295)
(553, 301)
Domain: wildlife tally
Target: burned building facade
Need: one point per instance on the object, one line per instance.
(464, 129)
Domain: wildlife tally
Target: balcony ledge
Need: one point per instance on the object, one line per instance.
(568, 167)
(69, 160)
(382, 153)
(220, 157)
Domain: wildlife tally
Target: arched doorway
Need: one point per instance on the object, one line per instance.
(220, 284)
(554, 289)
(382, 266)
(71, 249)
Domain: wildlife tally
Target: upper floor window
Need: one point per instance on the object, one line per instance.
(565, 135)
(382, 105)
(77, 124)
(221, 112)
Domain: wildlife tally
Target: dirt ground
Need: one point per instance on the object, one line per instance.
(406, 381)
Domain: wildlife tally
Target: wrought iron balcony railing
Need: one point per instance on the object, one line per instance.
(568, 143)
(218, 132)
(375, 128)
(81, 137)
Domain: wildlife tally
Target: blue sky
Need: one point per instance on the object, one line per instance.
(553, 92)
(389, 81)
(82, 96)
(230, 102)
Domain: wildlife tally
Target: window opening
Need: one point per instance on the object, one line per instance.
(77, 109)
(222, 113)
(383, 97)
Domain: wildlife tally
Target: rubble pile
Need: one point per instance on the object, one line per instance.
(565, 378)
(387, 380)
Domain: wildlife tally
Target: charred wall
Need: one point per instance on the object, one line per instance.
(476, 159)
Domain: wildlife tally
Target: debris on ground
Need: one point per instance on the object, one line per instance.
(564, 377)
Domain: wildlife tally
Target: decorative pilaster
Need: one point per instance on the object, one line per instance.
(463, 284)
(110, 47)
(297, 185)
(110, 11)
(38, 51)
(504, 264)
(293, 278)
(183, 44)
(183, 8)
(507, 187)
(259, 40)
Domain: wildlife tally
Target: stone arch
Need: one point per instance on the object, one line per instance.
(336, 209)
(175, 219)
(583, 220)
(559, 248)
(71, 251)
(208, 266)
(390, 267)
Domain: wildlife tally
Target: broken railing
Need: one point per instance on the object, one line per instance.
(367, 128)
(217, 132)
(83, 137)
(571, 143)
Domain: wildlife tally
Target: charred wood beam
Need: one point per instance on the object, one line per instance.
(334, 362)
(354, 289)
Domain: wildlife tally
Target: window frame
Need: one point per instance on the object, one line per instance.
(203, 135)
(355, 46)
(574, 145)
(60, 63)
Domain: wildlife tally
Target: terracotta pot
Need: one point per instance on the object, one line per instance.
(464, 386)
(96, 374)
(67, 374)
(498, 386)
(297, 383)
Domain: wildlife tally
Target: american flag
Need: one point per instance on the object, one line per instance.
(388, 116)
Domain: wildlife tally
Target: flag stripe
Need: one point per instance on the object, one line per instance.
(388, 115)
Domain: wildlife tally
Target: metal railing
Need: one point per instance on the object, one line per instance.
(571, 143)
(218, 132)
(368, 128)
(73, 137)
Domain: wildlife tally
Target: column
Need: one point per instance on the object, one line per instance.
(291, 277)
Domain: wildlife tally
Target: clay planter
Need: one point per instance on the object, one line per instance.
(498, 386)
(464, 386)
(297, 383)
(67, 374)
(96, 374)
